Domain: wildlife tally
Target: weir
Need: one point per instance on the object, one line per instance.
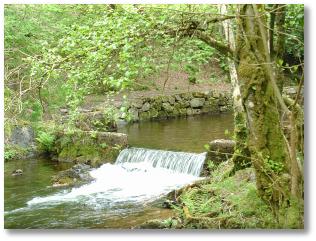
(180, 162)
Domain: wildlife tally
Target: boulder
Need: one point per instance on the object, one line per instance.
(189, 111)
(171, 100)
(186, 96)
(184, 103)
(22, 136)
(198, 94)
(197, 102)
(133, 113)
(96, 120)
(223, 108)
(196, 111)
(166, 106)
(220, 150)
(152, 224)
(145, 107)
(78, 174)
(144, 115)
(137, 103)
(89, 147)
(178, 98)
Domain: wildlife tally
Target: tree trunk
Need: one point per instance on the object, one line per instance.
(270, 152)
(241, 157)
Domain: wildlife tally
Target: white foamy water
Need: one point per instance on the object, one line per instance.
(180, 162)
(139, 175)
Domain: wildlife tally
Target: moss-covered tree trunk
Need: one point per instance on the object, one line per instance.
(241, 157)
(270, 152)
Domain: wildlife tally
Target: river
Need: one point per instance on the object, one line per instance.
(123, 196)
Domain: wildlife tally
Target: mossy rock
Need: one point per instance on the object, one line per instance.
(93, 148)
(144, 116)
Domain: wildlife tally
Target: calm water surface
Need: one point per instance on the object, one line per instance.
(181, 134)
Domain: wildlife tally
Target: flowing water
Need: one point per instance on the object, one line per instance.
(123, 194)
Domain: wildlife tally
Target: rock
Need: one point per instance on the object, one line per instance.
(291, 91)
(22, 136)
(144, 116)
(206, 109)
(82, 110)
(163, 114)
(17, 172)
(166, 106)
(182, 111)
(245, 175)
(153, 113)
(220, 150)
(164, 98)
(178, 98)
(78, 174)
(137, 103)
(92, 147)
(197, 102)
(133, 113)
(184, 103)
(145, 107)
(223, 108)
(189, 111)
(216, 94)
(169, 203)
(63, 111)
(186, 96)
(198, 95)
(96, 120)
(171, 100)
(153, 224)
(157, 104)
(196, 111)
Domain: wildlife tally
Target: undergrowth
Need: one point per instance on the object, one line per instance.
(225, 202)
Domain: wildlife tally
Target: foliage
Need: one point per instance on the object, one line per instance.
(46, 141)
(294, 24)
(226, 202)
(26, 28)
(12, 152)
(9, 154)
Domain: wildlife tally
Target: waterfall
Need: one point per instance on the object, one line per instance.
(181, 162)
(139, 175)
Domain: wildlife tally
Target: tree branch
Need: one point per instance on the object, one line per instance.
(224, 49)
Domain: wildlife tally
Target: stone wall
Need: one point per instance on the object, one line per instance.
(184, 104)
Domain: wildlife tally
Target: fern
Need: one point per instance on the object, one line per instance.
(46, 141)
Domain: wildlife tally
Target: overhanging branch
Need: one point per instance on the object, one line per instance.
(222, 48)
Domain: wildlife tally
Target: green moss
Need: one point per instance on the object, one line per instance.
(80, 147)
(241, 157)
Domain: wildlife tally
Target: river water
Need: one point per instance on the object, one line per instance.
(123, 195)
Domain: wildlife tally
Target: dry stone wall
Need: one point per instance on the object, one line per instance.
(184, 104)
